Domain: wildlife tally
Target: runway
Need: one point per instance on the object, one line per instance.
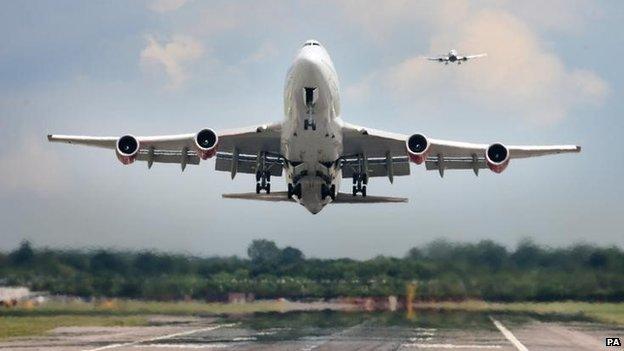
(307, 331)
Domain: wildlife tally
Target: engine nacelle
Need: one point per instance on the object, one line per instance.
(417, 148)
(206, 141)
(127, 149)
(497, 157)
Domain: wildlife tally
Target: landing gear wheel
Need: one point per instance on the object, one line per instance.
(354, 191)
(258, 176)
(364, 191)
(290, 191)
(268, 188)
(365, 178)
(297, 190)
(257, 188)
(332, 192)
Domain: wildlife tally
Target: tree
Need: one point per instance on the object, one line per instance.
(264, 255)
(24, 255)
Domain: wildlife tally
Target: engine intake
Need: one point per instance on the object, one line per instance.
(127, 149)
(417, 148)
(497, 157)
(206, 141)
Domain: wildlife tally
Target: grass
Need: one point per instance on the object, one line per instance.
(11, 326)
(612, 313)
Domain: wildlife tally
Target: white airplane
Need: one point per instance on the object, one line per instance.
(453, 57)
(313, 148)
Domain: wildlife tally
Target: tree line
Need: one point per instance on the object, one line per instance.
(440, 270)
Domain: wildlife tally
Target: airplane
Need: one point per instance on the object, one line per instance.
(313, 147)
(453, 57)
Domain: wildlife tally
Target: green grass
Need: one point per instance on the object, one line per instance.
(134, 307)
(11, 326)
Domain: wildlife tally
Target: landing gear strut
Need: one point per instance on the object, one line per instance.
(360, 177)
(263, 174)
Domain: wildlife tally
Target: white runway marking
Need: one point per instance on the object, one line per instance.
(512, 339)
(162, 337)
(451, 346)
(183, 346)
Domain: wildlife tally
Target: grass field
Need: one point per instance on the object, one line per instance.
(32, 320)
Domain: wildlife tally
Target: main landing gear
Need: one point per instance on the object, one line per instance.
(294, 190)
(263, 174)
(263, 182)
(328, 190)
(360, 180)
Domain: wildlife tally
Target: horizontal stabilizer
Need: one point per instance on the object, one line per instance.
(277, 196)
(341, 198)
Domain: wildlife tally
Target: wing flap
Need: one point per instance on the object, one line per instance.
(247, 164)
(378, 167)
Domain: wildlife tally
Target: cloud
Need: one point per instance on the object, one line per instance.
(31, 167)
(162, 6)
(265, 51)
(172, 56)
(519, 78)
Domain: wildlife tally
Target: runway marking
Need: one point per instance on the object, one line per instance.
(512, 339)
(162, 337)
(184, 346)
(451, 346)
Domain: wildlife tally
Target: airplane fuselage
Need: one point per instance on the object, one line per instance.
(311, 139)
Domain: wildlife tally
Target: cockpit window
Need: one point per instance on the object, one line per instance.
(310, 43)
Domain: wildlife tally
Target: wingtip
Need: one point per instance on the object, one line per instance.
(50, 137)
(578, 148)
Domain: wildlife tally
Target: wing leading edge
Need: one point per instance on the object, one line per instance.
(440, 154)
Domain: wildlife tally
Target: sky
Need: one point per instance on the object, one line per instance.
(553, 75)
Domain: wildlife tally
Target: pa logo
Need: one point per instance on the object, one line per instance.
(613, 342)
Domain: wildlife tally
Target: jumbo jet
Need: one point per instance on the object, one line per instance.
(313, 148)
(454, 57)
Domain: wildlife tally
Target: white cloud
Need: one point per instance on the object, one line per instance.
(172, 56)
(162, 6)
(519, 78)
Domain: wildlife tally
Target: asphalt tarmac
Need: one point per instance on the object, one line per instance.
(307, 331)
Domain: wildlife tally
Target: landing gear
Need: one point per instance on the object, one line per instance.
(360, 177)
(328, 191)
(294, 190)
(263, 174)
(309, 123)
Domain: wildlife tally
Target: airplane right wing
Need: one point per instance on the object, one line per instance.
(388, 154)
(469, 57)
(438, 59)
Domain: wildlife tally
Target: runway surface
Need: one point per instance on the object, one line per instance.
(307, 331)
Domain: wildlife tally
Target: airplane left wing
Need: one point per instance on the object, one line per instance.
(232, 147)
(388, 154)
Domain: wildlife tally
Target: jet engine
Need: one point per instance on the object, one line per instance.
(206, 141)
(127, 149)
(497, 157)
(417, 148)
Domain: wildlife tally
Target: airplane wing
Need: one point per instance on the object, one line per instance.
(236, 146)
(438, 59)
(469, 57)
(387, 155)
(341, 198)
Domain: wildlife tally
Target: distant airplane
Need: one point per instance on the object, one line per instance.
(313, 148)
(453, 57)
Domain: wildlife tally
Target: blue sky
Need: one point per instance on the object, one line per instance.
(552, 76)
